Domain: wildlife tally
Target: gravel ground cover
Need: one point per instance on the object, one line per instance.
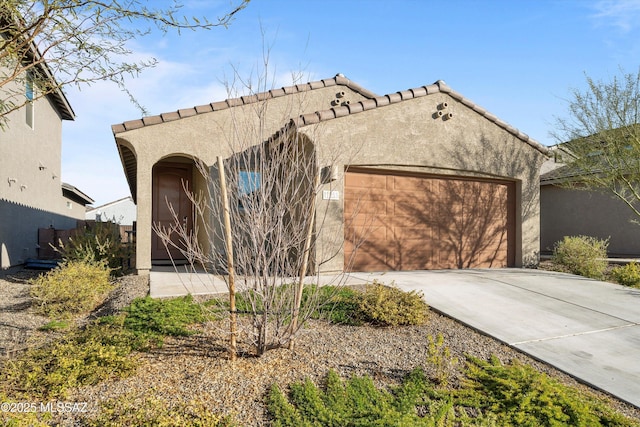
(197, 368)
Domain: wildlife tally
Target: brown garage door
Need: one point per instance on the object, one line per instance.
(416, 222)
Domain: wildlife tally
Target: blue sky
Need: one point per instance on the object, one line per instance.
(516, 58)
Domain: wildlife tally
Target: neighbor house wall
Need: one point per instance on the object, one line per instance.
(568, 212)
(405, 136)
(30, 187)
(122, 212)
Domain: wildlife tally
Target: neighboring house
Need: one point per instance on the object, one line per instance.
(31, 193)
(121, 211)
(573, 212)
(460, 186)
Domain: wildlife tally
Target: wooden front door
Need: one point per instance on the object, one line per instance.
(169, 183)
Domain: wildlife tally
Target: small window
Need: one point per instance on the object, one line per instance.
(248, 184)
(69, 205)
(28, 93)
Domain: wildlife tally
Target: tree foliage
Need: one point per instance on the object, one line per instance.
(601, 138)
(56, 43)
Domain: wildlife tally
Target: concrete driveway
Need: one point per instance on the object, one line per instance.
(586, 328)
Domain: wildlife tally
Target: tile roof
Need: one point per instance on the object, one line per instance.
(373, 101)
(379, 101)
(339, 79)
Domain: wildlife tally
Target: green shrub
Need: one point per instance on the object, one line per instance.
(157, 318)
(98, 242)
(390, 306)
(627, 275)
(338, 305)
(518, 395)
(492, 394)
(356, 402)
(582, 255)
(73, 287)
(439, 357)
(55, 325)
(152, 411)
(82, 358)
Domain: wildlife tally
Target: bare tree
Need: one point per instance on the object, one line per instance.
(601, 139)
(273, 182)
(46, 45)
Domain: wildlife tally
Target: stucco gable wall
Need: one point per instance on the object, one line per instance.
(406, 136)
(207, 135)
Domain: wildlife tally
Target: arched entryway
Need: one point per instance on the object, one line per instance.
(173, 180)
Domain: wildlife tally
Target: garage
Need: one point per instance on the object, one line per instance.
(396, 221)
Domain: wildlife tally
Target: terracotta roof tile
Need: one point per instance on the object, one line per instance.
(119, 128)
(490, 117)
(356, 107)
(467, 102)
(234, 102)
(296, 121)
(263, 96)
(442, 86)
(290, 89)
(311, 118)
(501, 123)
(368, 104)
(303, 87)
(250, 99)
(200, 109)
(431, 89)
(406, 94)
(220, 105)
(478, 109)
(151, 120)
(187, 112)
(329, 82)
(382, 100)
(133, 124)
(277, 92)
(394, 97)
(167, 117)
(419, 91)
(316, 84)
(455, 95)
(341, 111)
(327, 114)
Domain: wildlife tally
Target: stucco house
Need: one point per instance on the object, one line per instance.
(121, 211)
(32, 195)
(443, 182)
(574, 212)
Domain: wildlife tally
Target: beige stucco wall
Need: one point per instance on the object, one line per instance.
(206, 136)
(30, 185)
(405, 136)
(566, 212)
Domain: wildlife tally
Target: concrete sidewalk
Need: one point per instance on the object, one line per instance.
(167, 281)
(586, 328)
